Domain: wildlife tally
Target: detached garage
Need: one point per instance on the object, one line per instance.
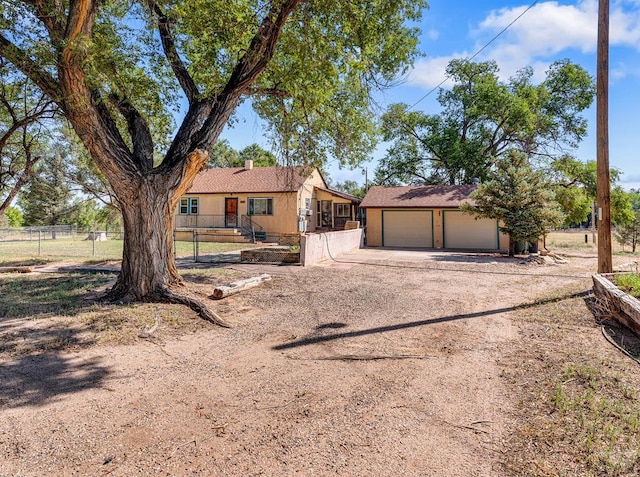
(427, 217)
(407, 228)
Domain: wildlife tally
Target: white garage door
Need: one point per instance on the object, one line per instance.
(407, 228)
(463, 231)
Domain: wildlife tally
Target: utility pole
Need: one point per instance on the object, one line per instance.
(605, 264)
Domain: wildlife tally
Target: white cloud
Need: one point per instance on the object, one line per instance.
(433, 34)
(430, 72)
(547, 32)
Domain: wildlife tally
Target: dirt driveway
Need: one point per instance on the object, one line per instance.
(384, 363)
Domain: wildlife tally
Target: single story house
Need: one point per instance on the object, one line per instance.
(428, 217)
(275, 200)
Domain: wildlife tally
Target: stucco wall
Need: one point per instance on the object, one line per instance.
(322, 246)
(283, 221)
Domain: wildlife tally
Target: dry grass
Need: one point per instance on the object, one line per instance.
(575, 240)
(50, 312)
(579, 412)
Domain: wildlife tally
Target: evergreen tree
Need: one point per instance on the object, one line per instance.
(48, 198)
(519, 197)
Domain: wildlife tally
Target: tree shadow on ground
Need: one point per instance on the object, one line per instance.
(314, 339)
(35, 380)
(38, 313)
(64, 294)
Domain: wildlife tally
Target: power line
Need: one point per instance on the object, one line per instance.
(477, 52)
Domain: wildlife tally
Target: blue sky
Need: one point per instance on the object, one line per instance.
(549, 31)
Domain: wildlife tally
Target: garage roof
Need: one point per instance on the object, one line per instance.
(444, 196)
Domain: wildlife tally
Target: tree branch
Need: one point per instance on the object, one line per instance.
(46, 12)
(30, 69)
(269, 92)
(262, 47)
(138, 130)
(171, 52)
(248, 68)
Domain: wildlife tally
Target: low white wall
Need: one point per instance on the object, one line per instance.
(322, 246)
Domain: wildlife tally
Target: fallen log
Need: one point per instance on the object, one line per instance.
(236, 287)
(16, 270)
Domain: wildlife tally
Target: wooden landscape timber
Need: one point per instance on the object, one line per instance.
(623, 306)
(224, 291)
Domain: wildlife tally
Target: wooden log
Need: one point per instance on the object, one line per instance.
(16, 270)
(236, 287)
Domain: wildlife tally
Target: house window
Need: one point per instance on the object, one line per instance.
(260, 206)
(343, 210)
(189, 206)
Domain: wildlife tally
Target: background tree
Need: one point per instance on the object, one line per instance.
(628, 233)
(117, 71)
(519, 197)
(574, 184)
(482, 120)
(260, 156)
(223, 155)
(25, 115)
(48, 199)
(351, 187)
(14, 217)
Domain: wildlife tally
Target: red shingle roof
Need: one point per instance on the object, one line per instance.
(418, 196)
(258, 179)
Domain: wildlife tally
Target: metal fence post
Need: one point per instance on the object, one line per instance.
(93, 245)
(195, 246)
(39, 241)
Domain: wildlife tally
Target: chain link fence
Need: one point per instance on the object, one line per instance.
(59, 241)
(261, 248)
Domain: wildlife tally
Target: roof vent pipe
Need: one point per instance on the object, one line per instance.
(248, 164)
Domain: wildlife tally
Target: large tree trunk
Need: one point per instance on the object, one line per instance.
(148, 264)
(149, 271)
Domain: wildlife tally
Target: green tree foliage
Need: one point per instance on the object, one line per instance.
(628, 233)
(574, 184)
(260, 156)
(120, 69)
(482, 120)
(223, 155)
(14, 217)
(351, 187)
(519, 197)
(25, 114)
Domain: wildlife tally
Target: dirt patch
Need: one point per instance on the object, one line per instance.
(373, 365)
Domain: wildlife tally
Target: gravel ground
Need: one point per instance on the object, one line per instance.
(384, 363)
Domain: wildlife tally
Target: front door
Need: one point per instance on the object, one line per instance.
(230, 212)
